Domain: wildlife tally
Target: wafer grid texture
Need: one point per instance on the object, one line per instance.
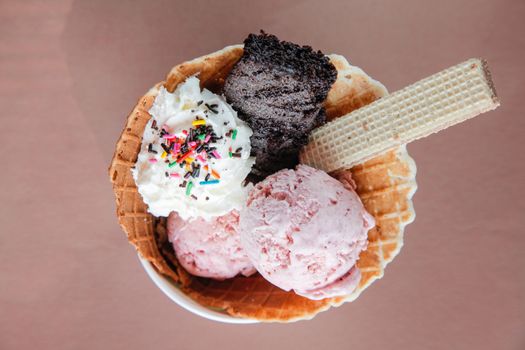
(428, 106)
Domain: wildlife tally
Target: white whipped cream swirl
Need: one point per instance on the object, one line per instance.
(223, 158)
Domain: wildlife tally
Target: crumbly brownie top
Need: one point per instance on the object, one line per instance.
(278, 88)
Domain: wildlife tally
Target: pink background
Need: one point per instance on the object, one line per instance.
(71, 70)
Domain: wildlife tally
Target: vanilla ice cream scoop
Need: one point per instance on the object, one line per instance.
(303, 231)
(209, 248)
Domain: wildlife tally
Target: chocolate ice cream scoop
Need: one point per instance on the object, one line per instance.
(278, 88)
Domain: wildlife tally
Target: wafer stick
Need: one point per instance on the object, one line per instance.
(426, 107)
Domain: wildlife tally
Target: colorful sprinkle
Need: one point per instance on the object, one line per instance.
(216, 155)
(188, 188)
(201, 158)
(184, 156)
(174, 175)
(210, 182)
(215, 174)
(208, 137)
(234, 135)
(152, 160)
(163, 155)
(172, 164)
(196, 172)
(199, 122)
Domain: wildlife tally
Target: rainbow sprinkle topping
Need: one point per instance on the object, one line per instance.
(191, 149)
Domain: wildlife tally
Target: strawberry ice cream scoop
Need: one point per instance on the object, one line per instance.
(209, 248)
(304, 230)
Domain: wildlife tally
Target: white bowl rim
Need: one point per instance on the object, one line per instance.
(177, 296)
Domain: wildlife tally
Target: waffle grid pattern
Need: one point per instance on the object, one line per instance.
(428, 106)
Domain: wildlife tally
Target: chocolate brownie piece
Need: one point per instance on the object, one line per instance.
(278, 88)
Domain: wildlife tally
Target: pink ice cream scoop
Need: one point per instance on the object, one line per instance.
(303, 230)
(209, 248)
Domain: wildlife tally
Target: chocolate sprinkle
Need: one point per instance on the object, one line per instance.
(150, 149)
(194, 196)
(196, 171)
(212, 108)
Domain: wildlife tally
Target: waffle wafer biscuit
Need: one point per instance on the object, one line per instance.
(385, 184)
(428, 106)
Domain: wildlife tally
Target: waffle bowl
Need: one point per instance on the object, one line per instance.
(385, 184)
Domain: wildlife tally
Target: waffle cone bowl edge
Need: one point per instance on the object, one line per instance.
(385, 184)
